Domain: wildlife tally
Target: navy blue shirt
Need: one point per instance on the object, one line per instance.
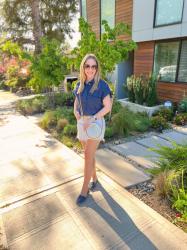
(92, 102)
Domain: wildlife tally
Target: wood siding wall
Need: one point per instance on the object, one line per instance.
(143, 64)
(143, 58)
(171, 91)
(93, 15)
(124, 11)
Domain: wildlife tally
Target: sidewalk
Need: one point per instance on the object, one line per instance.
(40, 179)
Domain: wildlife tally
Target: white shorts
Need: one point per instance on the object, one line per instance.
(81, 133)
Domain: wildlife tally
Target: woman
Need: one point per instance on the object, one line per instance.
(92, 102)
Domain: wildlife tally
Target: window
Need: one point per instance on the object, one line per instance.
(168, 12)
(108, 12)
(83, 9)
(170, 62)
(182, 76)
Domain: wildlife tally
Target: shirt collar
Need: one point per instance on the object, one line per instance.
(90, 82)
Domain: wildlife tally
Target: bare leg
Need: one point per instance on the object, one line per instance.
(94, 175)
(89, 154)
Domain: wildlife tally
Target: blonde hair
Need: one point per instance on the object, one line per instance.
(83, 76)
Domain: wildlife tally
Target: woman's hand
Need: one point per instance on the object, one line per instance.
(86, 123)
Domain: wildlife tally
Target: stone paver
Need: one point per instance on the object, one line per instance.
(111, 218)
(153, 142)
(182, 129)
(175, 136)
(125, 173)
(137, 153)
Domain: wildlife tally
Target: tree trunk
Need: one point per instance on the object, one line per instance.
(37, 29)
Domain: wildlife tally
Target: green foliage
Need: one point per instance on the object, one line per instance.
(123, 122)
(179, 195)
(180, 119)
(108, 53)
(166, 113)
(151, 98)
(55, 18)
(170, 158)
(32, 106)
(11, 49)
(162, 183)
(142, 122)
(159, 122)
(116, 107)
(130, 88)
(64, 99)
(142, 89)
(182, 107)
(48, 68)
(61, 124)
(70, 130)
(66, 140)
(109, 132)
(48, 120)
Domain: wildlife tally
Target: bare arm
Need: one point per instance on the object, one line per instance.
(76, 113)
(106, 109)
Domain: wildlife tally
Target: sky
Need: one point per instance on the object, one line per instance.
(75, 35)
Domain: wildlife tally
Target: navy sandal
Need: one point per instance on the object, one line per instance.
(93, 185)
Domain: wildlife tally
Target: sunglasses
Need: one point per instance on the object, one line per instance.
(87, 66)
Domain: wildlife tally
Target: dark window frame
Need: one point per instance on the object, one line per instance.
(100, 15)
(168, 24)
(178, 59)
(81, 9)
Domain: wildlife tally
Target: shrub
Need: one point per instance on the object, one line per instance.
(151, 95)
(68, 141)
(48, 120)
(109, 132)
(123, 122)
(61, 124)
(162, 184)
(182, 107)
(142, 122)
(142, 89)
(166, 113)
(116, 107)
(170, 158)
(159, 122)
(180, 119)
(70, 130)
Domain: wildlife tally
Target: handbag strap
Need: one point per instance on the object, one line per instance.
(80, 104)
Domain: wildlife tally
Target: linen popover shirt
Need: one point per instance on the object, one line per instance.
(92, 102)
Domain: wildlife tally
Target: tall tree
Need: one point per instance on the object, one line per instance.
(26, 20)
(37, 28)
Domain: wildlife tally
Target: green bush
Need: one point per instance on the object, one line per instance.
(70, 130)
(48, 120)
(171, 158)
(182, 107)
(61, 124)
(123, 122)
(142, 89)
(166, 113)
(159, 122)
(180, 119)
(142, 122)
(116, 106)
(109, 132)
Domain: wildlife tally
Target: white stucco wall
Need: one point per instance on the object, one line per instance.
(143, 18)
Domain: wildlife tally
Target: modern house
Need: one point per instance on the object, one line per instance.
(159, 27)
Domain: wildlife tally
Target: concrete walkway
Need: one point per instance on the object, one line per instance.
(40, 179)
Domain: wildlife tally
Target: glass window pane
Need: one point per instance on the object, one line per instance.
(165, 61)
(108, 12)
(168, 11)
(84, 15)
(182, 76)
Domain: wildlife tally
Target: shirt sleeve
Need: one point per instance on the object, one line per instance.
(105, 90)
(76, 89)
